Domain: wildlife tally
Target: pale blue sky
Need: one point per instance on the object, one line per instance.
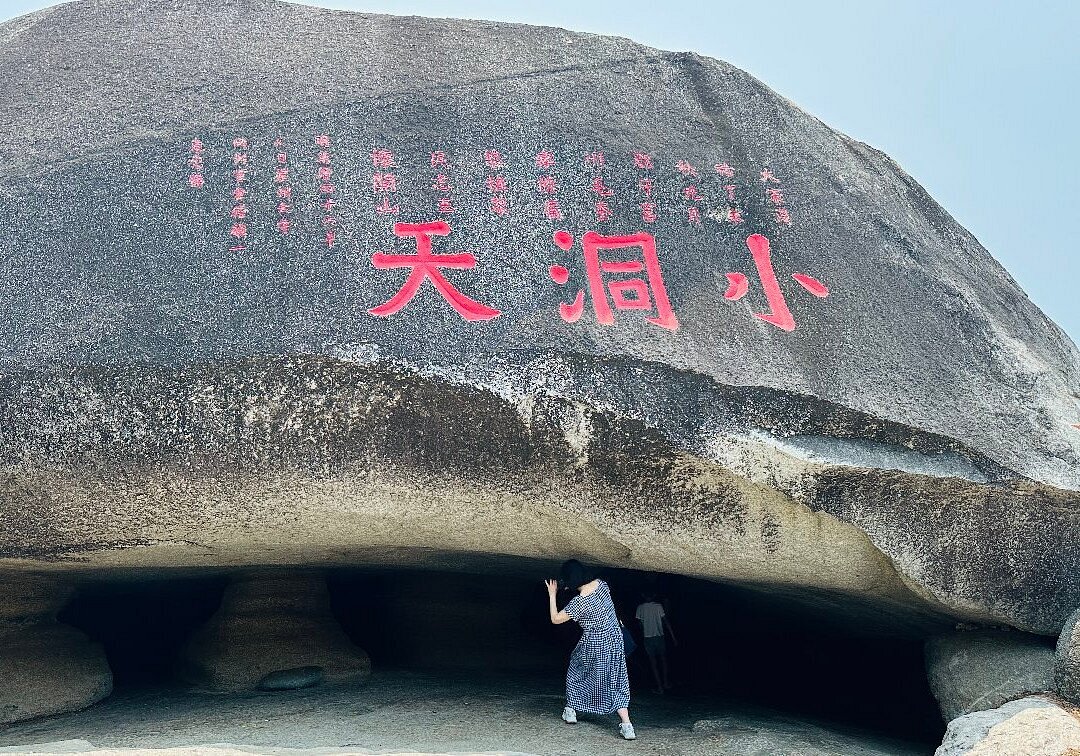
(977, 100)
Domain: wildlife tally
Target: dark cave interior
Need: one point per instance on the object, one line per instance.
(736, 647)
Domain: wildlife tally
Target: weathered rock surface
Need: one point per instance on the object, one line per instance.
(1026, 727)
(404, 713)
(291, 679)
(46, 667)
(167, 400)
(977, 670)
(85, 748)
(271, 622)
(1067, 663)
(750, 736)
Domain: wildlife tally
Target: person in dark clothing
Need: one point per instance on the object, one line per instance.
(654, 622)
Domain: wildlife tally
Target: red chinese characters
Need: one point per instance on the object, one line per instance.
(496, 183)
(282, 187)
(774, 195)
(779, 314)
(239, 213)
(600, 190)
(608, 291)
(622, 272)
(324, 173)
(425, 265)
(732, 214)
(382, 158)
(196, 163)
(547, 186)
(441, 164)
(384, 181)
(381, 183)
(691, 193)
(643, 162)
(686, 169)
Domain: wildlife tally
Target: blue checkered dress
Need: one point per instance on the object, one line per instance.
(596, 681)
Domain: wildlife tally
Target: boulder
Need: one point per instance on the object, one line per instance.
(1067, 664)
(274, 630)
(687, 326)
(47, 667)
(976, 670)
(1033, 726)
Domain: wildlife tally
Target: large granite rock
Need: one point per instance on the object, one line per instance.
(903, 445)
(1031, 726)
(973, 671)
(274, 630)
(1067, 661)
(46, 667)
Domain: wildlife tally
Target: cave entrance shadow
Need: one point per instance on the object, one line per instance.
(736, 647)
(739, 650)
(143, 623)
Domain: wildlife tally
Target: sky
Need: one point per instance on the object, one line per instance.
(978, 100)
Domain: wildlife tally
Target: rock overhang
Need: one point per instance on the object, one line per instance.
(325, 462)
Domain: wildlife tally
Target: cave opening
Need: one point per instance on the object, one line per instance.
(737, 648)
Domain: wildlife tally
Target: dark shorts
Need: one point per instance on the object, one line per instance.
(654, 645)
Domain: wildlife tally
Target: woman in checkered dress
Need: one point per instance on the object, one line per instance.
(596, 681)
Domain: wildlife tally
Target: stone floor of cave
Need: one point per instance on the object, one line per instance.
(403, 711)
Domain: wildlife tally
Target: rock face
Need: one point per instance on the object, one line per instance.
(1027, 727)
(274, 630)
(868, 412)
(46, 666)
(1067, 664)
(974, 671)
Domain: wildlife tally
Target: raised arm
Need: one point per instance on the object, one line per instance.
(557, 617)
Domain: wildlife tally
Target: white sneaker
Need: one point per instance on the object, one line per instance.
(569, 715)
(627, 730)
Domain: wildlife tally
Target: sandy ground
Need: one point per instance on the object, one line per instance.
(399, 712)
